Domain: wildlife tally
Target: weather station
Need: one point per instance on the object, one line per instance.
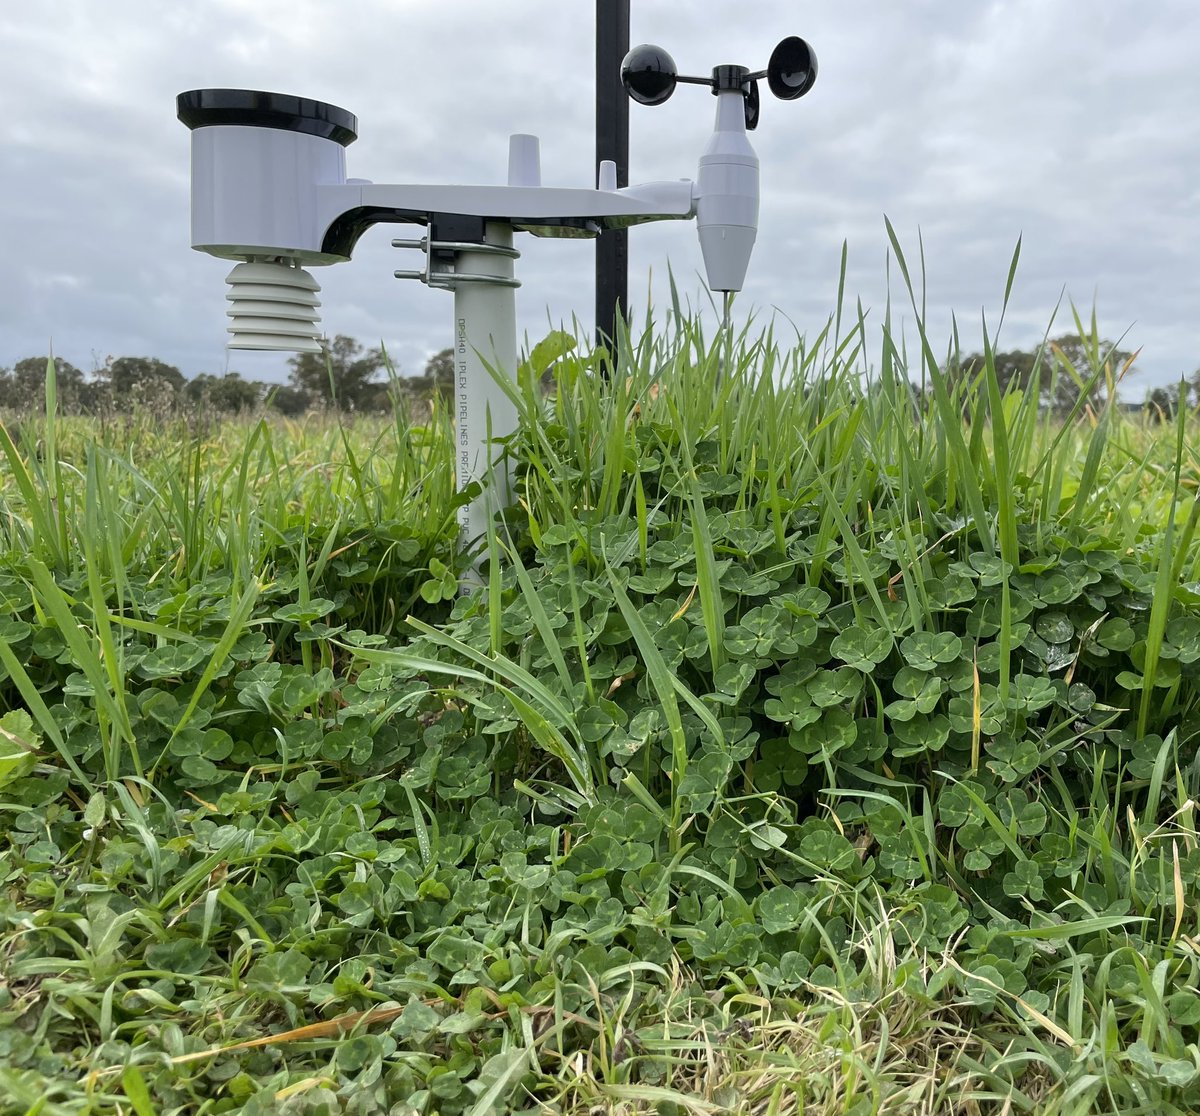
(269, 190)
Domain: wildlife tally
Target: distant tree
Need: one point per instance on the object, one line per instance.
(229, 393)
(439, 373)
(95, 397)
(199, 389)
(343, 374)
(1016, 368)
(1163, 402)
(142, 381)
(1045, 370)
(23, 387)
(438, 379)
(1081, 354)
(287, 399)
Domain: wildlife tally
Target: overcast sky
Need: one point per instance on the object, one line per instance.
(1072, 123)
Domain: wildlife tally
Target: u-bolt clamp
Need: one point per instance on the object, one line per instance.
(441, 257)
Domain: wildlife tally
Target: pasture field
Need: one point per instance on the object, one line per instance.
(813, 744)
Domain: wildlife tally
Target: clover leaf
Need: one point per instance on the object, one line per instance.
(991, 712)
(656, 580)
(1031, 692)
(1183, 636)
(834, 687)
(923, 733)
(924, 689)
(307, 611)
(1015, 810)
(1116, 634)
(981, 985)
(807, 601)
(836, 729)
(1055, 627)
(828, 849)
(1012, 759)
(927, 651)
(903, 709)
(1059, 587)
(862, 648)
(989, 569)
(1184, 1008)
(704, 779)
(793, 706)
(956, 804)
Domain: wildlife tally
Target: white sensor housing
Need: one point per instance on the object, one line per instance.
(254, 191)
(727, 197)
(259, 161)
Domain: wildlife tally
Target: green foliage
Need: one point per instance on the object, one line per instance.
(438, 379)
(786, 715)
(142, 379)
(23, 387)
(229, 394)
(342, 376)
(18, 746)
(1056, 371)
(126, 385)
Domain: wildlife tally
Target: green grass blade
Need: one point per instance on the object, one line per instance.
(108, 698)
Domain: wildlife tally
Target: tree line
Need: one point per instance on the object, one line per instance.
(1062, 368)
(348, 377)
(345, 376)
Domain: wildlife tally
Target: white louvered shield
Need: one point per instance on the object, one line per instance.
(273, 306)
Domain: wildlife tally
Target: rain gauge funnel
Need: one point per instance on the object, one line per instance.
(269, 191)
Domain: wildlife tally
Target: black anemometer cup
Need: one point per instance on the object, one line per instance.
(648, 74)
(792, 69)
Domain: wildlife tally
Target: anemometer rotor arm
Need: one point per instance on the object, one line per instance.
(727, 185)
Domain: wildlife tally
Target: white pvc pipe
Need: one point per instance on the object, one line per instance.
(485, 332)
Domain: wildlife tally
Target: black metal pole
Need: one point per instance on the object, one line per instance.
(612, 142)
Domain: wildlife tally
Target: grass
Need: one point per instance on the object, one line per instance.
(813, 744)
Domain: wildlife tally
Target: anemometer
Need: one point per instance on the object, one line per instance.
(269, 189)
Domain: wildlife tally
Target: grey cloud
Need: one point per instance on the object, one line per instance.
(1072, 125)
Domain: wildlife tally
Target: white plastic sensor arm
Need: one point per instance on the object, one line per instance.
(650, 201)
